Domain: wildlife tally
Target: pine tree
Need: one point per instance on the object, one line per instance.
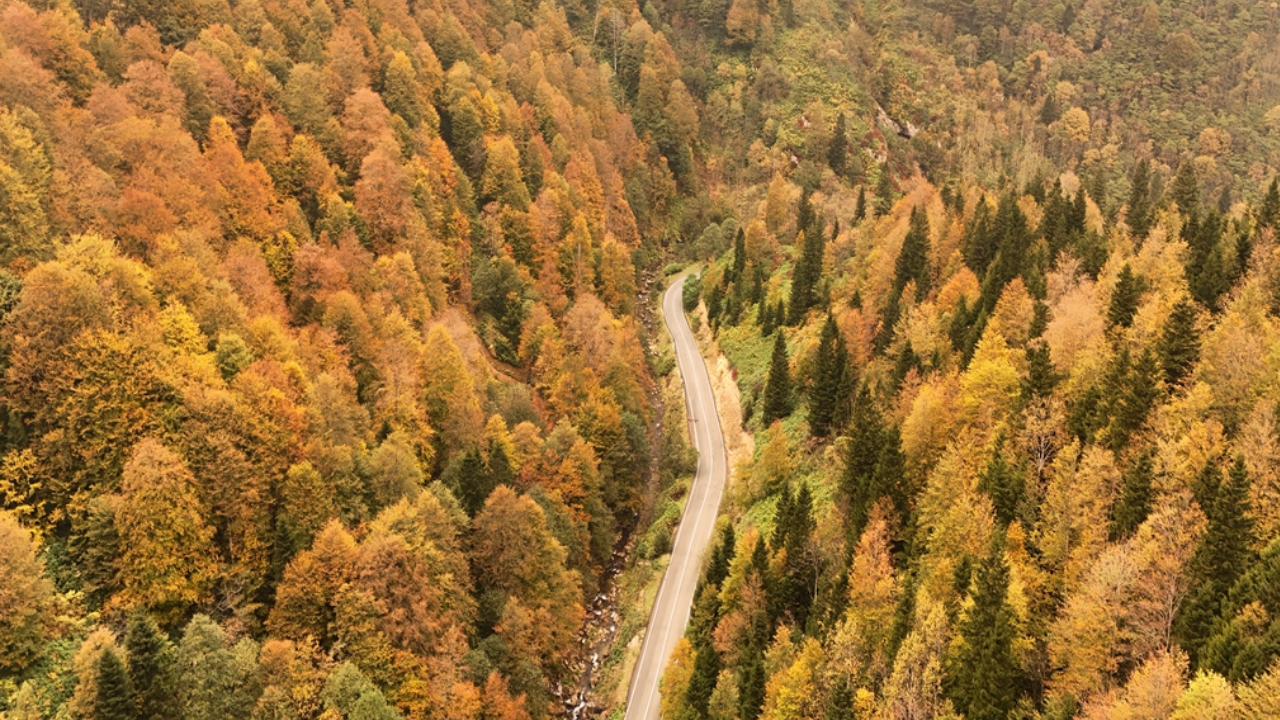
(1134, 402)
(860, 207)
(1269, 212)
(1041, 375)
(982, 677)
(884, 192)
(1179, 344)
(1223, 554)
(1134, 504)
(739, 255)
(777, 387)
(706, 670)
(114, 699)
(721, 557)
(913, 259)
(840, 701)
(151, 669)
(866, 438)
(838, 151)
(980, 241)
(808, 272)
(751, 683)
(764, 317)
(1186, 189)
(829, 380)
(1138, 216)
(1124, 299)
(1004, 485)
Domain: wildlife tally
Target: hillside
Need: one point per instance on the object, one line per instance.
(330, 392)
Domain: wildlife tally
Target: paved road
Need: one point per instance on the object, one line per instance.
(675, 595)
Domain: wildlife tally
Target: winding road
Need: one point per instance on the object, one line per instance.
(675, 594)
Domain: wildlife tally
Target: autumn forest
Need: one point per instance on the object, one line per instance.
(333, 384)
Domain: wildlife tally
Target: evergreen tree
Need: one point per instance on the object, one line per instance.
(1134, 504)
(1186, 189)
(739, 255)
(1132, 404)
(706, 669)
(1049, 110)
(838, 151)
(913, 259)
(1269, 211)
(1041, 375)
(1179, 344)
(1004, 485)
(884, 192)
(467, 478)
(840, 701)
(860, 207)
(1222, 556)
(764, 317)
(1138, 216)
(866, 438)
(114, 699)
(1241, 648)
(721, 557)
(830, 380)
(751, 683)
(982, 677)
(808, 271)
(151, 669)
(980, 241)
(777, 387)
(1124, 299)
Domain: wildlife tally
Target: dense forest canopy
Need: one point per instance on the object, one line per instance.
(328, 390)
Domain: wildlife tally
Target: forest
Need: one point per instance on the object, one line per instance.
(331, 384)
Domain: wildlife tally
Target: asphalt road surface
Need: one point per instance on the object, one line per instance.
(675, 595)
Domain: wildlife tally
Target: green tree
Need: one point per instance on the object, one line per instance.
(884, 192)
(706, 670)
(838, 151)
(866, 439)
(1125, 298)
(777, 387)
(1223, 554)
(114, 699)
(860, 207)
(1269, 211)
(913, 259)
(216, 682)
(1139, 214)
(982, 676)
(151, 669)
(1185, 191)
(831, 384)
(1179, 344)
(1134, 504)
(1004, 485)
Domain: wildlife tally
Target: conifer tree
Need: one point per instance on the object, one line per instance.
(1003, 485)
(866, 438)
(830, 380)
(114, 699)
(1041, 375)
(1134, 504)
(808, 272)
(1179, 345)
(777, 387)
(860, 207)
(739, 255)
(1269, 211)
(982, 677)
(840, 701)
(706, 670)
(764, 317)
(1186, 189)
(1124, 299)
(1138, 216)
(751, 682)
(1134, 401)
(913, 260)
(151, 669)
(1223, 554)
(838, 151)
(884, 192)
(980, 241)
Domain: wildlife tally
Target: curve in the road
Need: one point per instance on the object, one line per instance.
(675, 594)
